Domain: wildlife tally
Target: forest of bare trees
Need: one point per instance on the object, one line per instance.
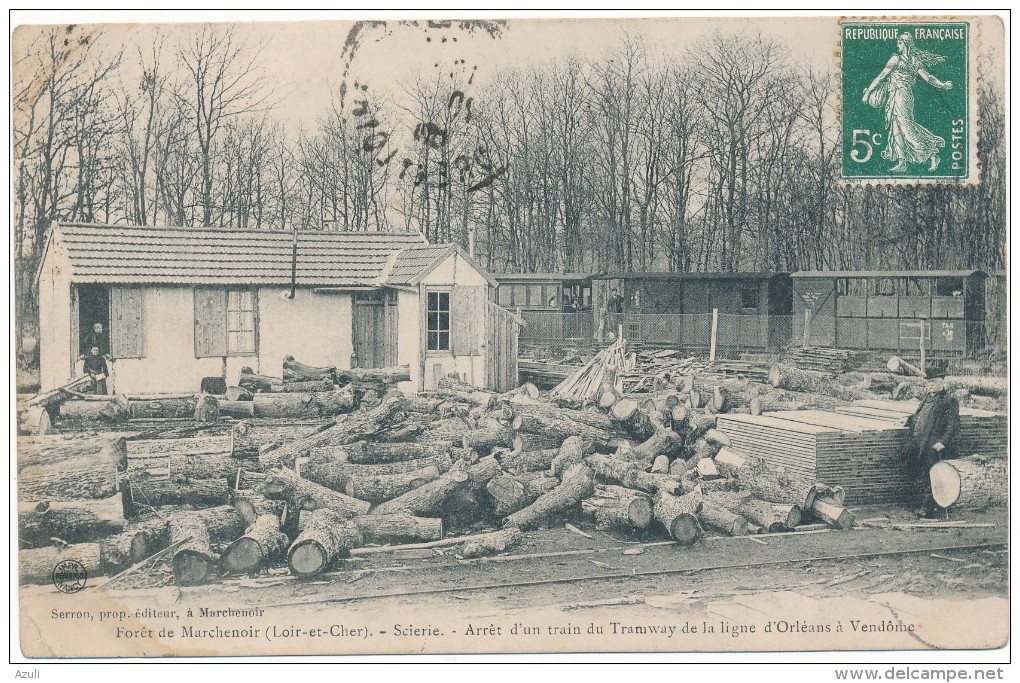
(721, 155)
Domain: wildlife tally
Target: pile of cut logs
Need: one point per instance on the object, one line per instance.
(457, 467)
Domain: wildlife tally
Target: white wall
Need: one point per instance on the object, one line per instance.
(314, 327)
(452, 272)
(54, 324)
(169, 364)
(409, 337)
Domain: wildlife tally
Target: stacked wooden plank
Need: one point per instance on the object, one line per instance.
(865, 455)
(752, 370)
(981, 431)
(822, 359)
(584, 384)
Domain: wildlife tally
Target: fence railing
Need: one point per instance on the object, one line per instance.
(736, 333)
(552, 327)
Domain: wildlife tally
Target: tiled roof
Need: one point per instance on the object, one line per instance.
(132, 254)
(413, 263)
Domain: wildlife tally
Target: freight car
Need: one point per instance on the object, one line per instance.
(891, 311)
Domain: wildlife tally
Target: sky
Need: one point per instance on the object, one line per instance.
(304, 60)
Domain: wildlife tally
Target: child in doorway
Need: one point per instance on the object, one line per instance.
(95, 366)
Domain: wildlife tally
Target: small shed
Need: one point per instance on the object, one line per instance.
(179, 304)
(676, 309)
(890, 310)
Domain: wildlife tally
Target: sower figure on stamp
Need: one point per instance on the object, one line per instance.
(907, 141)
(933, 429)
(96, 368)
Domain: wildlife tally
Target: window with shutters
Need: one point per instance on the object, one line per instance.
(438, 321)
(225, 322)
(240, 322)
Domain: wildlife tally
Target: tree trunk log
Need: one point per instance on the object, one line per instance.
(548, 420)
(975, 482)
(391, 375)
(325, 536)
(399, 528)
(569, 454)
(257, 383)
(170, 407)
(616, 506)
(70, 521)
(492, 544)
(577, 484)
(251, 505)
(285, 405)
(38, 565)
(722, 519)
(193, 560)
(262, 543)
(429, 497)
(809, 381)
(679, 515)
(237, 409)
(535, 442)
(353, 427)
(339, 457)
(380, 488)
(993, 387)
(831, 513)
(486, 438)
(91, 477)
(629, 418)
(898, 366)
(155, 491)
(511, 493)
(772, 516)
(306, 495)
(517, 462)
(662, 442)
(776, 486)
(207, 409)
(380, 453)
(302, 386)
(113, 411)
(296, 371)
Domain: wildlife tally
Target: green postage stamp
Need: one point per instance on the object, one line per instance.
(909, 96)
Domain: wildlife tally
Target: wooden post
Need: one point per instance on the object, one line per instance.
(715, 333)
(924, 350)
(807, 328)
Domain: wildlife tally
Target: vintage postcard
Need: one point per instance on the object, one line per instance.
(457, 336)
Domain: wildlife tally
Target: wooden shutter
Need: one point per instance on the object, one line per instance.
(127, 322)
(210, 322)
(467, 319)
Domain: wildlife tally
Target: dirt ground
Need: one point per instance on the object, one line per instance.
(931, 588)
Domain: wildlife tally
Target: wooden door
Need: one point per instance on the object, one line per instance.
(375, 329)
(501, 348)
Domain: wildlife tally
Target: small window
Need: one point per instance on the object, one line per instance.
(535, 296)
(949, 286)
(240, 321)
(749, 295)
(915, 286)
(852, 287)
(884, 286)
(438, 319)
(505, 296)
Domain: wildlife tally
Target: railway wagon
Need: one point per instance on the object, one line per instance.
(555, 306)
(676, 309)
(890, 310)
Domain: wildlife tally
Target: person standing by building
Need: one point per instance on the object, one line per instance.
(933, 429)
